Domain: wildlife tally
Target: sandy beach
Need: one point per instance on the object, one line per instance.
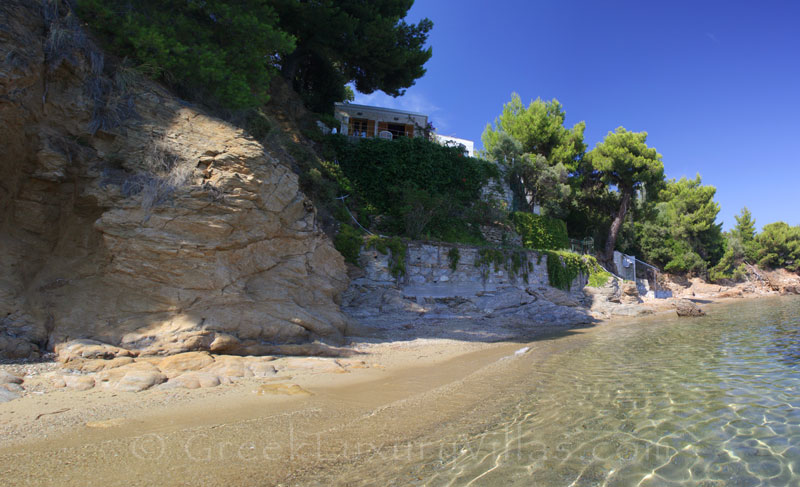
(280, 430)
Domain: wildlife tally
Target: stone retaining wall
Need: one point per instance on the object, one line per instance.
(428, 272)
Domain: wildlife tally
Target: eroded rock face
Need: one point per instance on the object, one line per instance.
(783, 281)
(132, 219)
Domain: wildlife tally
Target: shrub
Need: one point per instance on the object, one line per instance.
(398, 249)
(348, 242)
(453, 255)
(540, 232)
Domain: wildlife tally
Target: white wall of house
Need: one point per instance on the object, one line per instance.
(468, 145)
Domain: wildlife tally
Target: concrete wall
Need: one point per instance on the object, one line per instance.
(428, 272)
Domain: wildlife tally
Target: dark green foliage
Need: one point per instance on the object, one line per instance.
(537, 151)
(395, 247)
(741, 247)
(348, 242)
(779, 246)
(421, 189)
(257, 124)
(745, 226)
(339, 41)
(453, 255)
(683, 236)
(540, 232)
(221, 49)
(732, 264)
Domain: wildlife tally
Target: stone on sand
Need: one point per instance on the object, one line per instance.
(79, 382)
(192, 380)
(175, 365)
(8, 378)
(6, 395)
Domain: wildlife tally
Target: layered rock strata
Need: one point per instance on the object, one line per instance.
(132, 218)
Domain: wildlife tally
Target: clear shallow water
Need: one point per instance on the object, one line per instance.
(713, 401)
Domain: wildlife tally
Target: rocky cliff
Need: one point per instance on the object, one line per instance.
(132, 218)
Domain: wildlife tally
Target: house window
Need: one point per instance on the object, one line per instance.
(396, 129)
(360, 127)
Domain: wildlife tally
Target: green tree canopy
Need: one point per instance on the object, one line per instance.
(339, 41)
(779, 246)
(745, 226)
(624, 160)
(538, 152)
(539, 129)
(684, 235)
(219, 49)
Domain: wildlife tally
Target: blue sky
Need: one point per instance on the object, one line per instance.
(715, 84)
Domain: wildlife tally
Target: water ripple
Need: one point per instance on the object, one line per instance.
(707, 402)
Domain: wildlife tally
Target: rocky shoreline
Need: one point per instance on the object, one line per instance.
(388, 319)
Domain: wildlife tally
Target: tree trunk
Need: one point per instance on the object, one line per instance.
(290, 65)
(616, 225)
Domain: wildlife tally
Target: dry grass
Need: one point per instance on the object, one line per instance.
(159, 174)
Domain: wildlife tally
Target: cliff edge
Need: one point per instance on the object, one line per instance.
(132, 218)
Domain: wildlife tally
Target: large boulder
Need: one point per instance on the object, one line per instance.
(685, 307)
(629, 293)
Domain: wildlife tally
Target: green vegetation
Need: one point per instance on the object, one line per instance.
(563, 267)
(339, 41)
(348, 242)
(453, 255)
(537, 151)
(513, 261)
(540, 232)
(419, 188)
(683, 236)
(624, 160)
(779, 246)
(396, 247)
(215, 48)
(226, 51)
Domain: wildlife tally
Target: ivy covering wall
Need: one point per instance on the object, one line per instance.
(540, 232)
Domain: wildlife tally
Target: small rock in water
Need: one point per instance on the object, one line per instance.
(688, 308)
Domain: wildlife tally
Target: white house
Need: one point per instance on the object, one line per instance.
(387, 123)
(468, 145)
